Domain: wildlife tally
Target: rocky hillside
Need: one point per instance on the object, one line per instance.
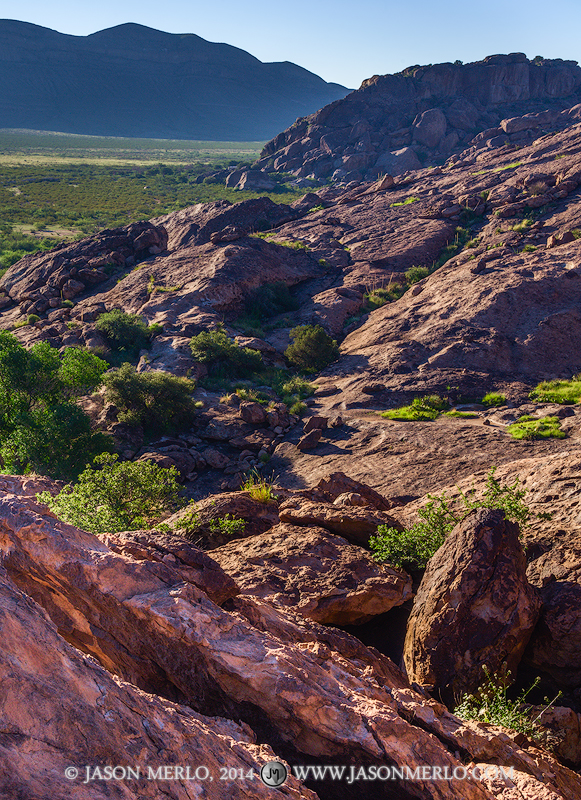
(418, 117)
(281, 637)
(135, 81)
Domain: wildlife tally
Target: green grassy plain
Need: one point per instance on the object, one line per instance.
(55, 185)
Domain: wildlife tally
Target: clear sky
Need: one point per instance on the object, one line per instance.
(341, 41)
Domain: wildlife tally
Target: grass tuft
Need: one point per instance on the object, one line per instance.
(531, 428)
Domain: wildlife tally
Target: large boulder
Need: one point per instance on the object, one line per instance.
(395, 162)
(354, 523)
(321, 576)
(474, 607)
(555, 646)
(430, 127)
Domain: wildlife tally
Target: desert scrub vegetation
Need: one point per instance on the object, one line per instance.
(259, 488)
(493, 399)
(491, 705)
(558, 391)
(223, 357)
(125, 333)
(88, 197)
(421, 409)
(116, 496)
(41, 426)
(158, 401)
(536, 428)
(408, 201)
(191, 526)
(312, 349)
(15, 245)
(412, 548)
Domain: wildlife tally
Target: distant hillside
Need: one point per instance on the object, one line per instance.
(396, 123)
(135, 81)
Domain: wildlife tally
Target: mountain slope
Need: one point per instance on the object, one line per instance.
(135, 81)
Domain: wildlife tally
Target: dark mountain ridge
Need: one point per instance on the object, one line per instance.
(131, 80)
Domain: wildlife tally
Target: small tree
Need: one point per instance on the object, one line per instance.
(223, 356)
(115, 496)
(312, 349)
(157, 400)
(126, 333)
(41, 427)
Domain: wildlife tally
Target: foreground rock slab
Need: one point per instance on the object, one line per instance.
(313, 691)
(474, 607)
(59, 710)
(319, 575)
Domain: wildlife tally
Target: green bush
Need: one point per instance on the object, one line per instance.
(115, 496)
(493, 399)
(460, 414)
(126, 334)
(191, 526)
(422, 409)
(491, 705)
(413, 547)
(416, 274)
(259, 488)
(312, 349)
(41, 427)
(224, 358)
(563, 392)
(156, 400)
(532, 428)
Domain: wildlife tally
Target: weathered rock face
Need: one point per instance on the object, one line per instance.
(474, 607)
(427, 111)
(191, 563)
(322, 693)
(555, 646)
(319, 575)
(354, 523)
(61, 709)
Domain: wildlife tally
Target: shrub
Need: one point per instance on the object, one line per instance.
(413, 547)
(32, 319)
(41, 427)
(259, 488)
(191, 525)
(156, 400)
(491, 705)
(493, 399)
(312, 349)
(416, 274)
(541, 428)
(126, 334)
(115, 496)
(460, 414)
(422, 409)
(558, 391)
(224, 358)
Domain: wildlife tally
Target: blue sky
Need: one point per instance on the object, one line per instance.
(340, 41)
